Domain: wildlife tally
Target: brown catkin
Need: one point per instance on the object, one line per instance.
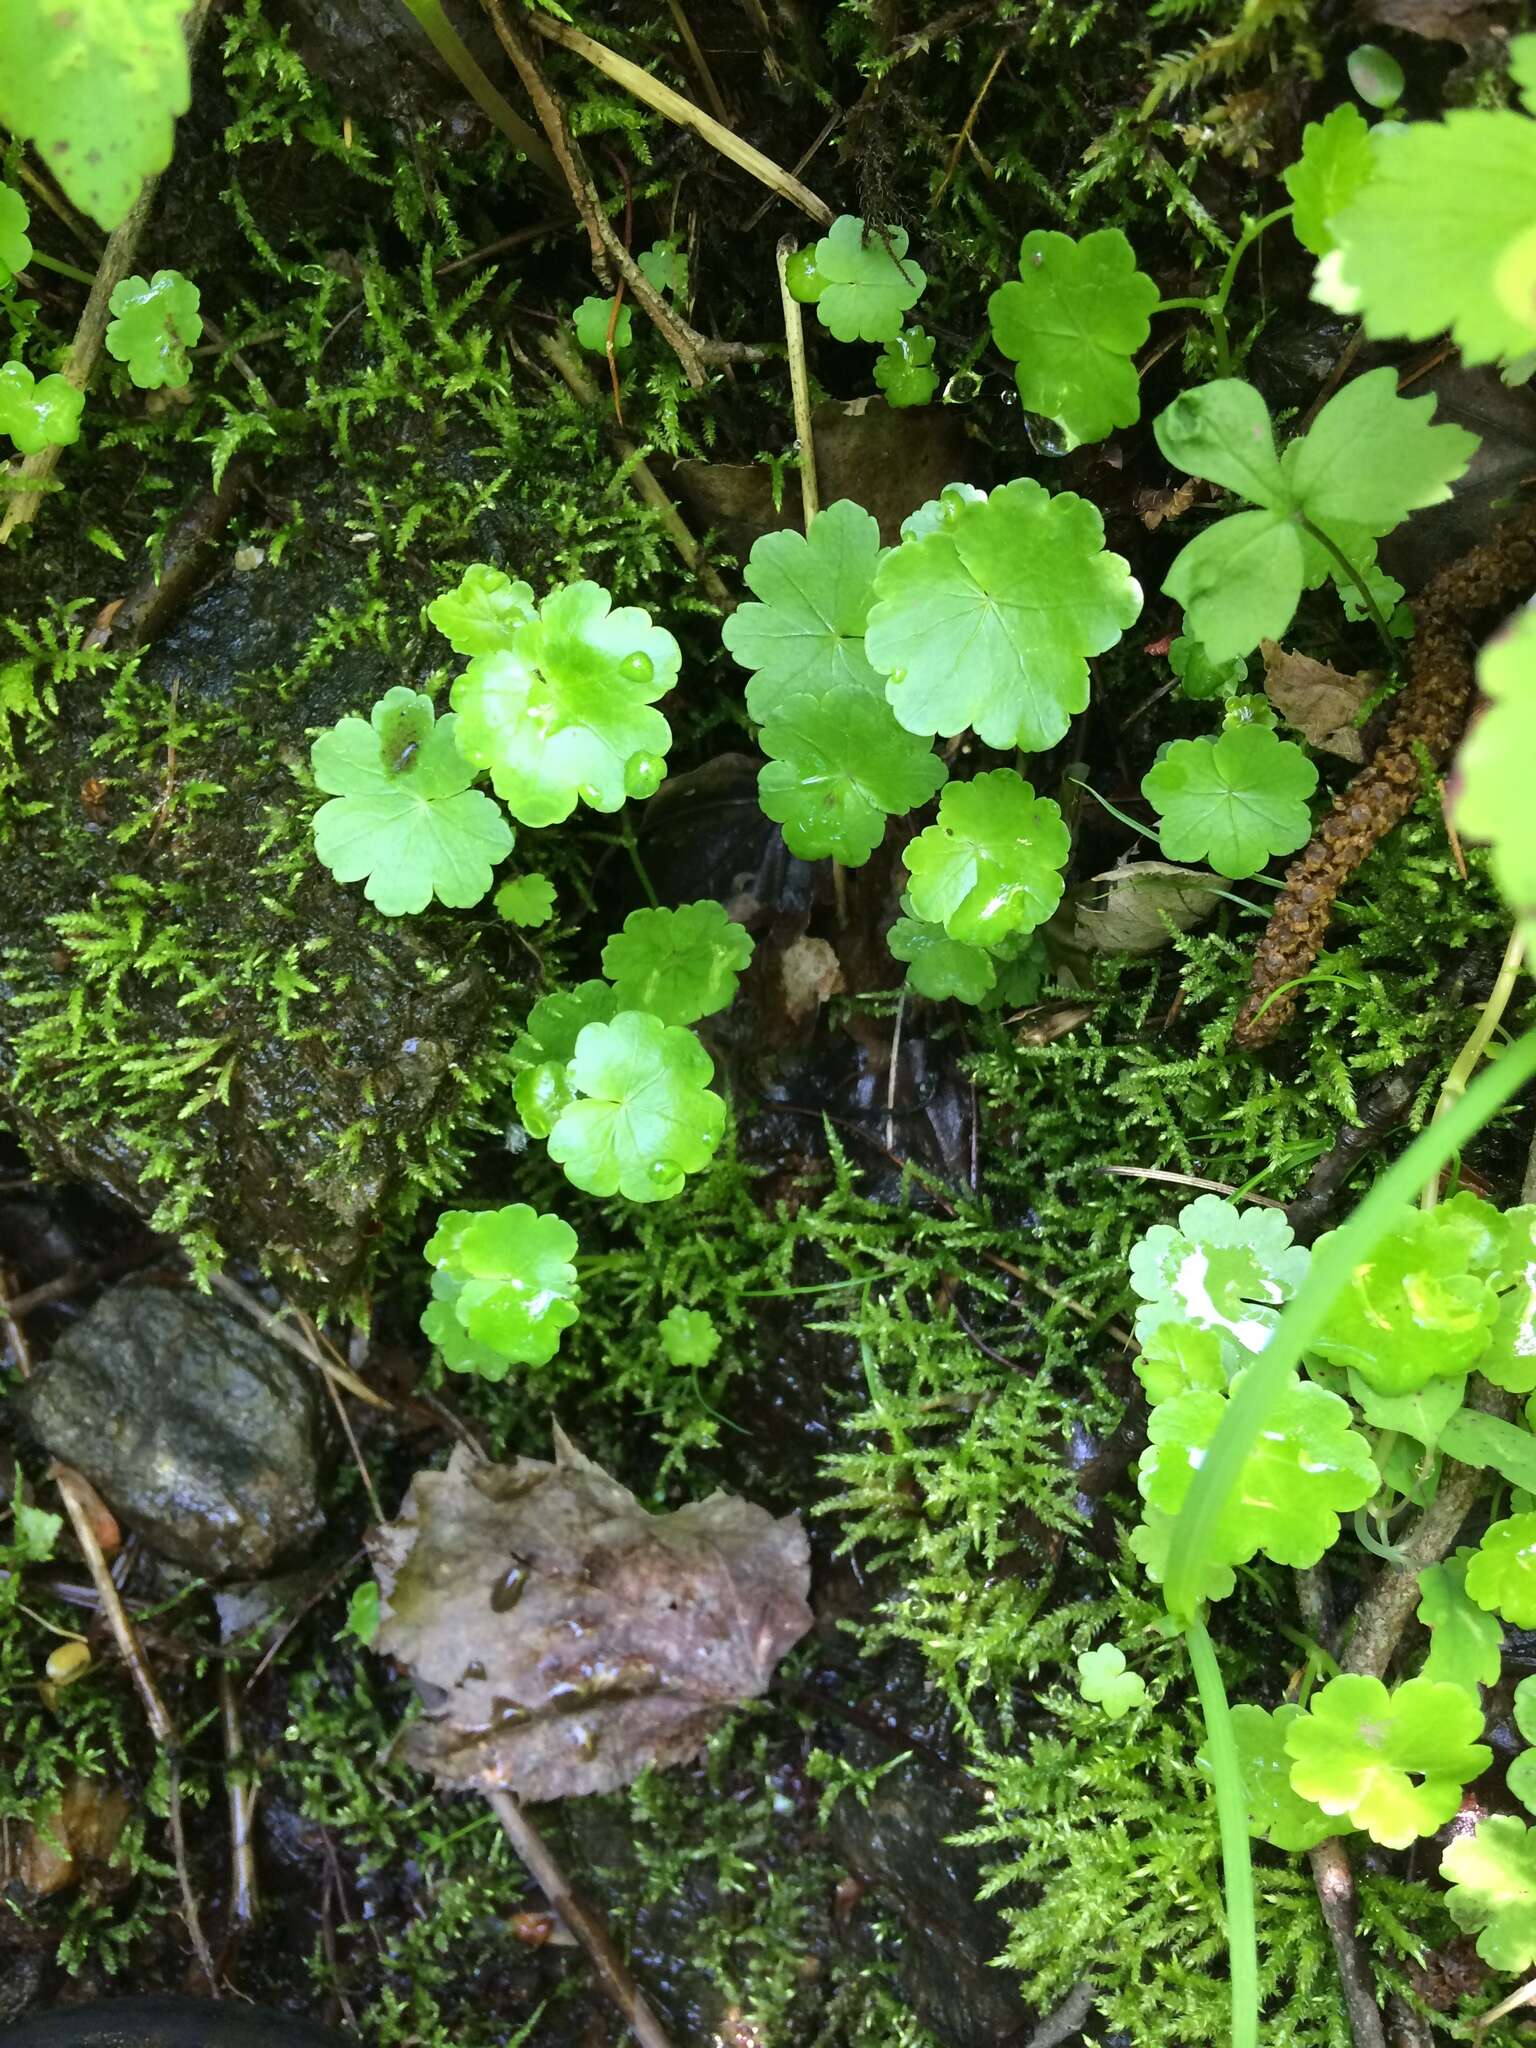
(1427, 721)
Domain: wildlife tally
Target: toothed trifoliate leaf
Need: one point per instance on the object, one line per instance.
(1103, 1681)
(527, 900)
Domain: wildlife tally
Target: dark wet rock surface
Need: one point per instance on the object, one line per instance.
(201, 1433)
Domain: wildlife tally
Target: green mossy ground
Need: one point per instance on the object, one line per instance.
(398, 430)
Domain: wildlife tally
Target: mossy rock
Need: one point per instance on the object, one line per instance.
(196, 1015)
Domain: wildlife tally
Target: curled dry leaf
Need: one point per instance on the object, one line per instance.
(561, 1638)
(1317, 700)
(1135, 908)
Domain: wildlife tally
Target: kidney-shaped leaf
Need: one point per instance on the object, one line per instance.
(565, 713)
(1395, 1762)
(840, 766)
(1071, 321)
(987, 618)
(402, 818)
(642, 1116)
(991, 866)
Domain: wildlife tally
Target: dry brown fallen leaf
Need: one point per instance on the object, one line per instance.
(561, 1638)
(1321, 703)
(1136, 907)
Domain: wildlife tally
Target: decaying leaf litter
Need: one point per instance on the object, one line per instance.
(911, 1253)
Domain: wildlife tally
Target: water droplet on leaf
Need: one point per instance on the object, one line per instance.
(637, 667)
(643, 775)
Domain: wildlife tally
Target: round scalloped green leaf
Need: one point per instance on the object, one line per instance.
(988, 619)
(839, 766)
(1184, 1358)
(1437, 237)
(1307, 1469)
(527, 900)
(1277, 1813)
(459, 1351)
(991, 865)
(815, 590)
(156, 320)
(665, 268)
(1222, 1268)
(1490, 789)
(905, 371)
(591, 320)
(1501, 1575)
(1072, 321)
(1395, 1762)
(1103, 1681)
(1411, 1312)
(1199, 675)
(402, 818)
(1332, 169)
(564, 715)
(1235, 801)
(15, 244)
(544, 1049)
(517, 1286)
(643, 1117)
(1492, 1875)
(868, 281)
(483, 614)
(97, 90)
(938, 966)
(680, 964)
(40, 412)
(688, 1336)
(1521, 1775)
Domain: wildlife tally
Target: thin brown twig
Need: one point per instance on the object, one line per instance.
(700, 62)
(610, 259)
(1385, 1610)
(1334, 1878)
(161, 1726)
(799, 386)
(647, 488)
(612, 1971)
(240, 1791)
(1186, 1180)
(271, 1322)
(967, 125)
